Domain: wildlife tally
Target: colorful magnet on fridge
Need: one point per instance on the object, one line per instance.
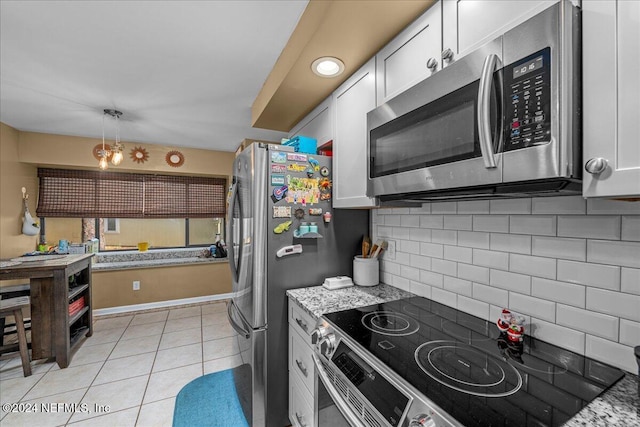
(282, 211)
(314, 163)
(279, 193)
(324, 171)
(277, 179)
(296, 167)
(296, 157)
(298, 213)
(315, 211)
(278, 157)
(278, 168)
(325, 196)
(325, 184)
(310, 172)
(282, 227)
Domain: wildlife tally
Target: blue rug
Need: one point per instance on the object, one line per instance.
(210, 400)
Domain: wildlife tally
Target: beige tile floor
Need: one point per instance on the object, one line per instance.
(134, 365)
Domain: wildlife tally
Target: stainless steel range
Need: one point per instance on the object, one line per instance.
(415, 362)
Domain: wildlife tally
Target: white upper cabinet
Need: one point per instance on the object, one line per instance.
(407, 59)
(468, 24)
(317, 124)
(351, 102)
(611, 98)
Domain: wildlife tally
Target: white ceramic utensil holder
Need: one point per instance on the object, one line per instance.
(366, 271)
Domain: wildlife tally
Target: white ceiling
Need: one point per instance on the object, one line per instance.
(184, 73)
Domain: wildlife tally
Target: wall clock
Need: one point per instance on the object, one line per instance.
(174, 159)
(139, 155)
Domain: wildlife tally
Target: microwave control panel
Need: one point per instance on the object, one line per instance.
(527, 89)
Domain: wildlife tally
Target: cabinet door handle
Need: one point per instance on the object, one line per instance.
(302, 368)
(447, 55)
(302, 324)
(300, 419)
(596, 165)
(432, 64)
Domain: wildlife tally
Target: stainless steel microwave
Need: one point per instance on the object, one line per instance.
(502, 121)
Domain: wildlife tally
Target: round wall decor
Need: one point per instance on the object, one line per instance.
(139, 155)
(174, 159)
(98, 148)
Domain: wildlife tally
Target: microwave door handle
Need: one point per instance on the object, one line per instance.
(335, 394)
(484, 108)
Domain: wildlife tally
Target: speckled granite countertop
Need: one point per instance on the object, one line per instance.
(618, 406)
(318, 300)
(150, 259)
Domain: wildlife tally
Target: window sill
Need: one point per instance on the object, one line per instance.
(152, 259)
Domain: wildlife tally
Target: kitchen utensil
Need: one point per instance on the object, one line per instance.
(366, 244)
(381, 247)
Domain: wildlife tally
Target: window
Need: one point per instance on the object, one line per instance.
(166, 211)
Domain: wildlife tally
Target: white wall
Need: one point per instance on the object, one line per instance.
(571, 266)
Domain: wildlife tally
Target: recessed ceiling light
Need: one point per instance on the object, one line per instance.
(327, 66)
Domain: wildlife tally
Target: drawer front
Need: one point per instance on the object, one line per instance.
(300, 404)
(300, 360)
(301, 321)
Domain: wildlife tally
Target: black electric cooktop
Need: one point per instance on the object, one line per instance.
(467, 367)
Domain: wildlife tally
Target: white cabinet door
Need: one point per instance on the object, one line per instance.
(317, 124)
(467, 24)
(611, 96)
(351, 102)
(403, 62)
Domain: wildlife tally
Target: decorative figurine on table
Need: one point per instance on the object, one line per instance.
(512, 324)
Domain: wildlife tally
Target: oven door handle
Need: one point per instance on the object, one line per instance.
(484, 109)
(352, 419)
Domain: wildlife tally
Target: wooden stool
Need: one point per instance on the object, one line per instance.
(14, 306)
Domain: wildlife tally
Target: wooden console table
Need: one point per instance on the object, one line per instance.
(56, 282)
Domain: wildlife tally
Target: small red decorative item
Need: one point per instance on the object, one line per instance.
(512, 324)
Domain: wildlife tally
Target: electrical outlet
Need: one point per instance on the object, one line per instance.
(136, 285)
(390, 253)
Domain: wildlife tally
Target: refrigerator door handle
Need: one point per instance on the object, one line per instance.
(235, 270)
(239, 329)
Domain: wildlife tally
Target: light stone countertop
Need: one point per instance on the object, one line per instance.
(618, 406)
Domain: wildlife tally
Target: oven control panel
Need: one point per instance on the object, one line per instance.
(527, 89)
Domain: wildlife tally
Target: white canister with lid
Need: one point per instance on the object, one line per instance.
(366, 271)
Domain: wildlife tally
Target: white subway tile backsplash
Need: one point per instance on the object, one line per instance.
(630, 280)
(410, 220)
(444, 297)
(533, 265)
(495, 223)
(431, 278)
(384, 231)
(626, 254)
(511, 243)
(558, 335)
(541, 225)
(420, 289)
(510, 206)
(611, 352)
(473, 239)
(419, 261)
(459, 286)
(598, 275)
(431, 221)
(492, 259)
(631, 228)
(563, 292)
(392, 220)
(563, 205)
(446, 237)
(559, 247)
(410, 247)
(592, 226)
(449, 268)
(391, 267)
(592, 323)
(535, 307)
(612, 207)
(411, 273)
(401, 233)
(434, 250)
(458, 253)
(402, 283)
(477, 308)
(618, 304)
(473, 273)
(473, 207)
(490, 295)
(629, 332)
(443, 208)
(519, 283)
(420, 234)
(424, 209)
(458, 222)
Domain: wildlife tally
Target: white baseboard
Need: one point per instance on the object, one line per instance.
(159, 304)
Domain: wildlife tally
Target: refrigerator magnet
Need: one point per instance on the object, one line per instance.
(278, 168)
(309, 172)
(277, 179)
(324, 171)
(314, 163)
(278, 157)
(296, 157)
(315, 211)
(296, 167)
(282, 211)
(279, 193)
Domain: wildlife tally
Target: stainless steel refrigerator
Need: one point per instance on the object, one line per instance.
(270, 188)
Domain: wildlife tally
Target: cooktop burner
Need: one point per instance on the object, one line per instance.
(390, 323)
(466, 369)
(469, 369)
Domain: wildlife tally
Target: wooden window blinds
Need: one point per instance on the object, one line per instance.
(100, 194)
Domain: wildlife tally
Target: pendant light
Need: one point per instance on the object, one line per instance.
(115, 153)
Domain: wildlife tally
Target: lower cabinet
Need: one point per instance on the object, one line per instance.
(301, 368)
